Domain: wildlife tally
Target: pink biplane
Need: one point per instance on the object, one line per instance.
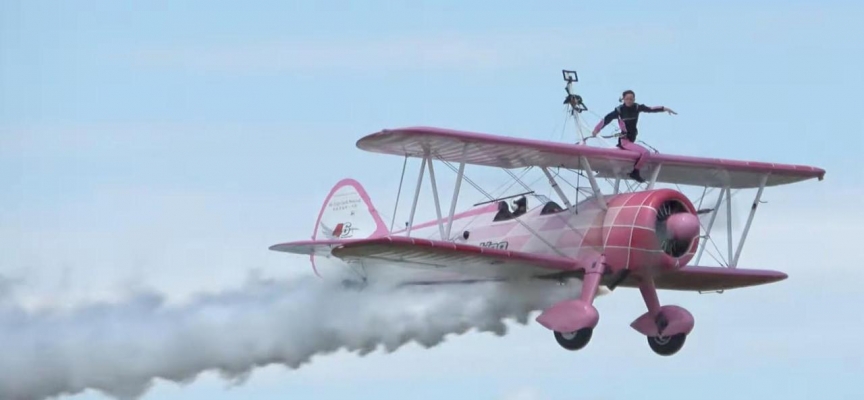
(641, 237)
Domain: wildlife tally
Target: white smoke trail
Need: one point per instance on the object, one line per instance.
(119, 349)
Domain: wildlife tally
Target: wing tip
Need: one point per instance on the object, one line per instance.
(277, 247)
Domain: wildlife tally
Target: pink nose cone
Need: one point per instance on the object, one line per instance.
(683, 226)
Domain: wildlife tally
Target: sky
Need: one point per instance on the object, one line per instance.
(166, 145)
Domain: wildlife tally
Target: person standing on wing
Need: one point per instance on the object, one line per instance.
(627, 115)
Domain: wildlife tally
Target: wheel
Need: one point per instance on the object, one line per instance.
(667, 345)
(574, 340)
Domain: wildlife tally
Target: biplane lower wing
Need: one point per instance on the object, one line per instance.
(707, 279)
(467, 261)
(511, 152)
(454, 261)
(470, 263)
(716, 278)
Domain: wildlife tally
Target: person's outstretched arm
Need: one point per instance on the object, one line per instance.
(644, 108)
(606, 120)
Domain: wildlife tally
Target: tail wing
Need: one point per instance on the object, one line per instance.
(348, 213)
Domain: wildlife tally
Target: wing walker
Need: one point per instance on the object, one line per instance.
(635, 235)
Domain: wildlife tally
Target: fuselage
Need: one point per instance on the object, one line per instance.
(626, 232)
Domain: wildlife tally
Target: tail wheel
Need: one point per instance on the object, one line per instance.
(574, 340)
(667, 345)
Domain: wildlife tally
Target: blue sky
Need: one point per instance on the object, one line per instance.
(168, 144)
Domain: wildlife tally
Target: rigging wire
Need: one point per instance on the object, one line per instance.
(399, 193)
(537, 235)
(580, 124)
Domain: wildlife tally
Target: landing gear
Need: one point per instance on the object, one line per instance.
(573, 321)
(666, 327)
(667, 345)
(574, 340)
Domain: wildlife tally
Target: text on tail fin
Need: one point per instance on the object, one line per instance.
(348, 213)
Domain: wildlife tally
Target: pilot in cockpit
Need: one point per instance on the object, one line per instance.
(503, 212)
(520, 206)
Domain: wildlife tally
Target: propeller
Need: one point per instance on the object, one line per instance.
(675, 227)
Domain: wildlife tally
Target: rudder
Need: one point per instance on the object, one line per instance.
(348, 213)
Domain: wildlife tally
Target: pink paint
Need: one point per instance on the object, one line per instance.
(497, 229)
(626, 144)
(629, 237)
(569, 238)
(597, 128)
(623, 237)
(315, 247)
(555, 223)
(683, 226)
(381, 228)
(441, 247)
(510, 152)
(485, 209)
(694, 278)
(678, 320)
(569, 316)
(519, 241)
(573, 315)
(649, 296)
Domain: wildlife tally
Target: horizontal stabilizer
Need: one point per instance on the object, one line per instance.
(309, 247)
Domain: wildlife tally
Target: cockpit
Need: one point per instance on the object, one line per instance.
(520, 206)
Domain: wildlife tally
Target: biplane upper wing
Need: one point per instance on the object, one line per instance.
(510, 152)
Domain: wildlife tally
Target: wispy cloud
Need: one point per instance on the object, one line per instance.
(437, 51)
(352, 54)
(524, 394)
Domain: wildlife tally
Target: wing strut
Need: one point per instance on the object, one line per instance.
(558, 190)
(654, 174)
(455, 196)
(707, 236)
(734, 253)
(490, 197)
(729, 222)
(416, 196)
(598, 195)
(398, 193)
(749, 219)
(428, 160)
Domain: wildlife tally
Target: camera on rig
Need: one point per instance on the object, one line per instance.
(577, 105)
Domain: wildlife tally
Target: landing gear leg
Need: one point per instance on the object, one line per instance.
(666, 327)
(573, 321)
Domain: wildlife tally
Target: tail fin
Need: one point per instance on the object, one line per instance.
(348, 213)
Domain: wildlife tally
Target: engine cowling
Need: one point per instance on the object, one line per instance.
(656, 229)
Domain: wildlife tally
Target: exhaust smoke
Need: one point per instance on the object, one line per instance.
(120, 348)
